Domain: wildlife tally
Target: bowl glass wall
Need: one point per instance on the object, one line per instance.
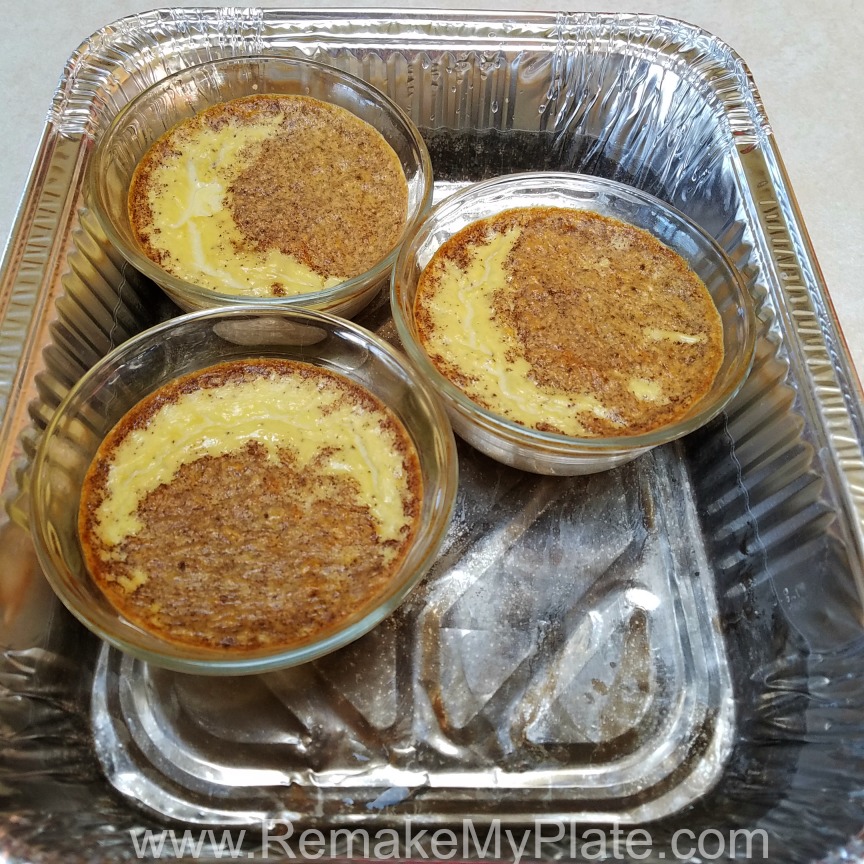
(185, 345)
(544, 452)
(184, 94)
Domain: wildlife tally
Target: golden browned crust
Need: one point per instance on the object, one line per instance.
(581, 289)
(327, 188)
(241, 552)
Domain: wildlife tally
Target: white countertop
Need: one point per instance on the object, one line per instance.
(805, 59)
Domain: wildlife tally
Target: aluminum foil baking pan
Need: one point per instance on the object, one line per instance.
(675, 644)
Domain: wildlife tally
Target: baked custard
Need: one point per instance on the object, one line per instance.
(569, 322)
(269, 195)
(252, 505)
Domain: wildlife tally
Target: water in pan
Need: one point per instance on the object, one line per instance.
(712, 573)
(560, 633)
(569, 637)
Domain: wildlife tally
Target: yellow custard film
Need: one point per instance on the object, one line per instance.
(570, 322)
(269, 196)
(265, 491)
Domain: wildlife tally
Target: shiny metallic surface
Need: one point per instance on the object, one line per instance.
(677, 641)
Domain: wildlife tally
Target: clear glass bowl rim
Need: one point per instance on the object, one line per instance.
(550, 441)
(324, 298)
(445, 499)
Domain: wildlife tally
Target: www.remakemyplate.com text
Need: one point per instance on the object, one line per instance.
(488, 841)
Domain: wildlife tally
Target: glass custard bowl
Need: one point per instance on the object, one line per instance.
(182, 346)
(183, 95)
(545, 452)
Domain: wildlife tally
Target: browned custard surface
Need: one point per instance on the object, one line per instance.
(256, 504)
(570, 322)
(269, 195)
